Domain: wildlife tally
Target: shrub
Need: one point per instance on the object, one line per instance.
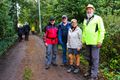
(110, 57)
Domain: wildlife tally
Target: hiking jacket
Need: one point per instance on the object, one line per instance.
(26, 28)
(63, 32)
(93, 30)
(74, 38)
(51, 37)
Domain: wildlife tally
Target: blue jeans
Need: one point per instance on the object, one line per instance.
(93, 59)
(51, 54)
(64, 56)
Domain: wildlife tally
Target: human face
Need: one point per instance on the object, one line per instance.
(64, 20)
(74, 24)
(90, 12)
(52, 22)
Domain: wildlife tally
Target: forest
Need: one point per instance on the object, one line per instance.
(19, 11)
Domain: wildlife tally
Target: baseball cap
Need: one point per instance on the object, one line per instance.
(52, 18)
(64, 16)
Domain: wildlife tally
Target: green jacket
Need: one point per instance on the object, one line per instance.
(93, 31)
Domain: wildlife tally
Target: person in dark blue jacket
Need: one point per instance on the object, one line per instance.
(62, 37)
(26, 28)
(20, 32)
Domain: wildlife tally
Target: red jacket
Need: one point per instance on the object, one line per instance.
(51, 35)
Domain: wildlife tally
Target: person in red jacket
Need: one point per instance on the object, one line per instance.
(51, 41)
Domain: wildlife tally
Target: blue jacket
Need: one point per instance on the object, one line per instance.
(26, 28)
(63, 32)
(20, 30)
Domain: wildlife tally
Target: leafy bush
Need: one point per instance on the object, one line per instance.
(6, 43)
(110, 55)
(6, 22)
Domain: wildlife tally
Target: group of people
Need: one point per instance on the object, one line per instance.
(72, 39)
(23, 30)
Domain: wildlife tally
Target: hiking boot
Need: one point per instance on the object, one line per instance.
(54, 64)
(47, 67)
(76, 70)
(93, 78)
(70, 69)
(64, 65)
(87, 74)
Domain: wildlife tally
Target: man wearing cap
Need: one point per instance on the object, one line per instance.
(51, 41)
(93, 35)
(62, 37)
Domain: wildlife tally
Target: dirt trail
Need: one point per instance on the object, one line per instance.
(31, 54)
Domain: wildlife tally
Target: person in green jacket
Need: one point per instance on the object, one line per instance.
(93, 35)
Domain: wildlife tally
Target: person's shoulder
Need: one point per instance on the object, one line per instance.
(79, 29)
(59, 25)
(69, 23)
(47, 26)
(97, 16)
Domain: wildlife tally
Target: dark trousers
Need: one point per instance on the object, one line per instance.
(20, 37)
(64, 55)
(27, 36)
(93, 59)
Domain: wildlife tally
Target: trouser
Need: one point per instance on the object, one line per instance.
(20, 37)
(33, 32)
(93, 59)
(26, 35)
(51, 54)
(64, 56)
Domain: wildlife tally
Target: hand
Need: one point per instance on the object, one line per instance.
(78, 49)
(46, 44)
(83, 45)
(67, 49)
(99, 45)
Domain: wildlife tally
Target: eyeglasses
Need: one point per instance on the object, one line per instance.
(52, 20)
(64, 18)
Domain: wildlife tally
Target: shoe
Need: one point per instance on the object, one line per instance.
(54, 64)
(47, 67)
(87, 74)
(70, 69)
(93, 78)
(64, 65)
(76, 70)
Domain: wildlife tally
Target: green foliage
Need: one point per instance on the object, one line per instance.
(110, 55)
(108, 9)
(27, 74)
(6, 23)
(111, 75)
(6, 43)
